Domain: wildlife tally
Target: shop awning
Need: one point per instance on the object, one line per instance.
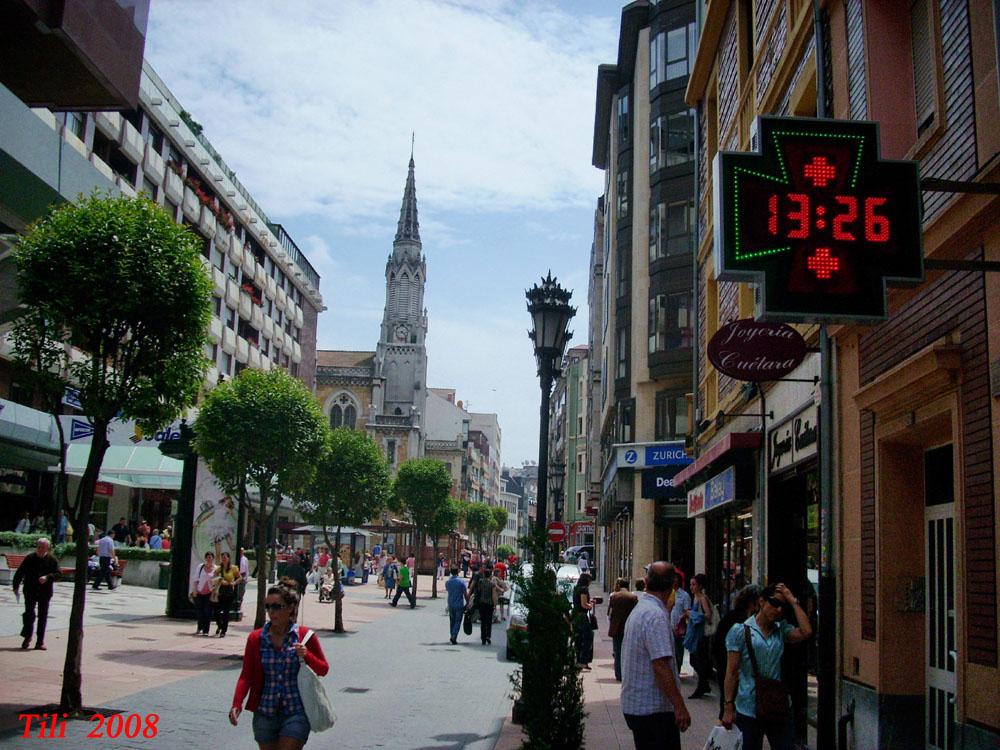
(344, 530)
(132, 466)
(729, 442)
(28, 437)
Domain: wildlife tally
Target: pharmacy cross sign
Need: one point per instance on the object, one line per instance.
(819, 218)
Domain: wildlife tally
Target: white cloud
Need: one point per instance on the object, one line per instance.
(315, 116)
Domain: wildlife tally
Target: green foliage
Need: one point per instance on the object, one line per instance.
(548, 683)
(351, 482)
(422, 487)
(504, 551)
(118, 279)
(446, 519)
(26, 543)
(261, 428)
(479, 521)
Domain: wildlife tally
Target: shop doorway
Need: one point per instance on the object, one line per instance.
(793, 559)
(939, 597)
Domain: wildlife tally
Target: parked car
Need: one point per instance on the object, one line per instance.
(566, 578)
(572, 554)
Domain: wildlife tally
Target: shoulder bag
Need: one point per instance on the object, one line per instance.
(772, 695)
(314, 700)
(711, 627)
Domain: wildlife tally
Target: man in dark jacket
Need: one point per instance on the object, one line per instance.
(38, 571)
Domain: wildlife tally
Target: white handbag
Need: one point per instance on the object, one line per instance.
(314, 700)
(710, 628)
(721, 738)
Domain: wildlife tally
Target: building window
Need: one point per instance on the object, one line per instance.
(669, 322)
(924, 64)
(622, 193)
(76, 123)
(621, 276)
(622, 370)
(225, 363)
(390, 452)
(671, 416)
(154, 137)
(671, 229)
(671, 140)
(626, 421)
(623, 130)
(580, 464)
(671, 54)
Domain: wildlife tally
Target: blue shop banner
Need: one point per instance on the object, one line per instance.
(717, 491)
(667, 454)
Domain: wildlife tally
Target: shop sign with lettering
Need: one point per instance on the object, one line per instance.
(658, 484)
(750, 350)
(794, 440)
(640, 456)
(716, 492)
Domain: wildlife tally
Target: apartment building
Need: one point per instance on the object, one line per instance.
(915, 512)
(569, 445)
(644, 141)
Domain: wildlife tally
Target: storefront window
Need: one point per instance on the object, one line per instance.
(730, 562)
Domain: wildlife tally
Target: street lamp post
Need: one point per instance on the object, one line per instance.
(551, 312)
(557, 472)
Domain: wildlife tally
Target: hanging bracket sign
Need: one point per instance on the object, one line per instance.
(750, 350)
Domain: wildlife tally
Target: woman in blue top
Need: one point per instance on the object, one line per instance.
(768, 634)
(389, 576)
(702, 614)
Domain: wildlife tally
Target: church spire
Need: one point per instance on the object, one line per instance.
(408, 229)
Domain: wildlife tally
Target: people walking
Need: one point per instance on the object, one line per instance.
(483, 592)
(584, 563)
(743, 606)
(268, 682)
(403, 587)
(38, 572)
(228, 580)
(620, 605)
(441, 566)
(466, 557)
(583, 632)
(679, 619)
(201, 593)
(241, 589)
(756, 699)
(389, 571)
(695, 639)
(105, 554)
(651, 699)
(457, 594)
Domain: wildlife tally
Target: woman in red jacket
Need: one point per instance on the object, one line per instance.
(270, 674)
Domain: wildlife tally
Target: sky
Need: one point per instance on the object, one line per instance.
(313, 105)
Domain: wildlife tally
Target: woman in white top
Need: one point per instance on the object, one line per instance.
(204, 582)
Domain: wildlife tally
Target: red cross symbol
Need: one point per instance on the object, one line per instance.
(820, 171)
(822, 263)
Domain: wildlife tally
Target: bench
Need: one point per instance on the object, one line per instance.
(14, 562)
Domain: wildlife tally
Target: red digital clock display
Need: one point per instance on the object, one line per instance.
(820, 217)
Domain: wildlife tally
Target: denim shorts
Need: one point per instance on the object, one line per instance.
(270, 728)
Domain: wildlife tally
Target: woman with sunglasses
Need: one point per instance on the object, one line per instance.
(766, 633)
(271, 664)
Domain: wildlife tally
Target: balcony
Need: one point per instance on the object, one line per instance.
(232, 293)
(392, 420)
(277, 337)
(206, 223)
(257, 318)
(242, 350)
(298, 317)
(265, 364)
(218, 283)
(245, 305)
(109, 123)
(191, 206)
(259, 275)
(235, 250)
(125, 186)
(228, 340)
(73, 55)
(287, 346)
(248, 259)
(221, 236)
(211, 377)
(154, 166)
(272, 288)
(215, 330)
(174, 187)
(254, 358)
(281, 299)
(296, 352)
(131, 142)
(101, 166)
(268, 327)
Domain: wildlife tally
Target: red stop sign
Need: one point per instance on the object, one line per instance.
(557, 531)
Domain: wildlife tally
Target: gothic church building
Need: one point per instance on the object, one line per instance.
(384, 391)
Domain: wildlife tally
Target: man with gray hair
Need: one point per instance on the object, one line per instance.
(38, 571)
(651, 698)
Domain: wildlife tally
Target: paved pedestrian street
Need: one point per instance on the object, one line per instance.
(395, 680)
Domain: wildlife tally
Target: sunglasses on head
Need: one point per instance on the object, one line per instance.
(775, 602)
(274, 607)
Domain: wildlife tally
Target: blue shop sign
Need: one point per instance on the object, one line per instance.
(717, 491)
(667, 454)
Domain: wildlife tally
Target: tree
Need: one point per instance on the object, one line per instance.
(263, 429)
(422, 487)
(478, 520)
(499, 523)
(444, 522)
(116, 280)
(548, 688)
(350, 485)
(504, 551)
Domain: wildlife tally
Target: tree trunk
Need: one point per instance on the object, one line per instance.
(421, 543)
(338, 600)
(71, 698)
(261, 557)
(434, 584)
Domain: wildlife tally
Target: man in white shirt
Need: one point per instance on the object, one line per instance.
(105, 552)
(651, 699)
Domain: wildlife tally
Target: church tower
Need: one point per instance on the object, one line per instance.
(399, 393)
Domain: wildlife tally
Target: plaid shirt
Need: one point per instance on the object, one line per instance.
(281, 675)
(648, 637)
